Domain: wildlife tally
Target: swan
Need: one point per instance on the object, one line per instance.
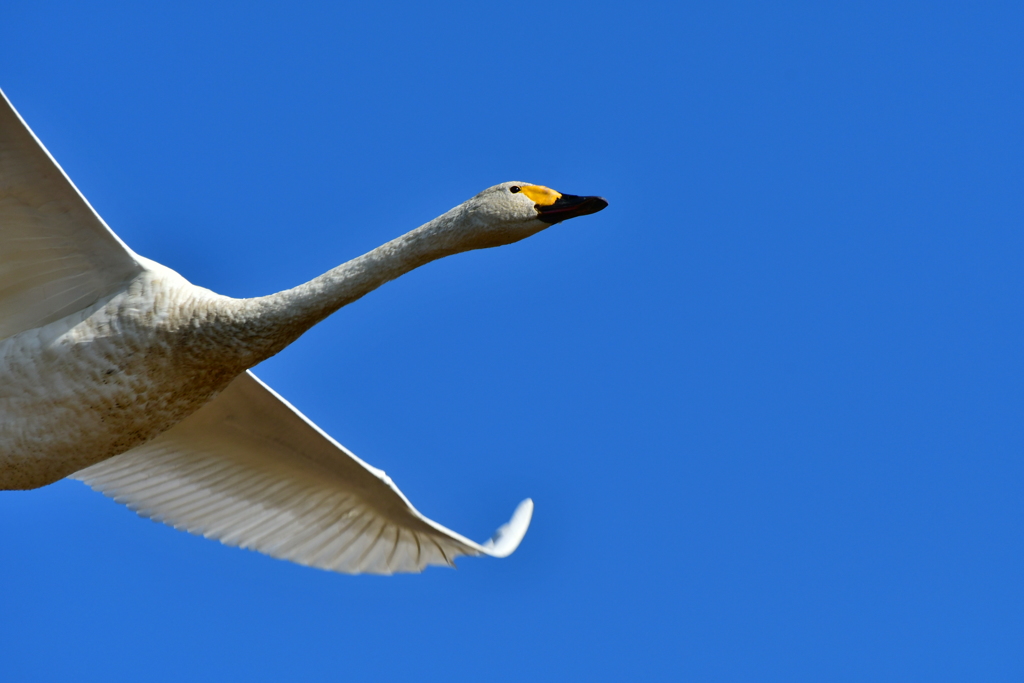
(118, 372)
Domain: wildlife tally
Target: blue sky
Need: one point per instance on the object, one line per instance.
(768, 403)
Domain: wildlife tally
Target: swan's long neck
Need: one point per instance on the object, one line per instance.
(272, 322)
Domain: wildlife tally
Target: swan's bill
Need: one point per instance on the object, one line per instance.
(569, 206)
(555, 207)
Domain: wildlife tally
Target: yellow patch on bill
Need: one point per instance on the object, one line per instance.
(542, 196)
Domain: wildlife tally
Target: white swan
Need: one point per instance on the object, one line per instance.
(117, 371)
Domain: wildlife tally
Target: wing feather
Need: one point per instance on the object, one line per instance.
(251, 471)
(57, 256)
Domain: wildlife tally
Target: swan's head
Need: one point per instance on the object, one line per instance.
(512, 211)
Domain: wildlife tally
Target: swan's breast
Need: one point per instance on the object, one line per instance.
(110, 377)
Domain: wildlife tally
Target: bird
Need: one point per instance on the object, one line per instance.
(118, 372)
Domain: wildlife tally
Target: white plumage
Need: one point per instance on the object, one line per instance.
(117, 371)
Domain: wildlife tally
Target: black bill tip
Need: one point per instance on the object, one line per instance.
(570, 206)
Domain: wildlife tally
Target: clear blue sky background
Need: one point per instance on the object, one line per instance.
(769, 403)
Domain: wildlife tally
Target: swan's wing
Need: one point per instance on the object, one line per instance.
(250, 470)
(57, 255)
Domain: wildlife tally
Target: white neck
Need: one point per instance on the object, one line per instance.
(272, 322)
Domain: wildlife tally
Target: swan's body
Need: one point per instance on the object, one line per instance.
(105, 379)
(118, 371)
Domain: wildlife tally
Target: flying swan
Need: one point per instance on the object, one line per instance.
(116, 371)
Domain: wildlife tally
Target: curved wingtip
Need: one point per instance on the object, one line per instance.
(506, 539)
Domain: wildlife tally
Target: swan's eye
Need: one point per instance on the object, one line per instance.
(514, 189)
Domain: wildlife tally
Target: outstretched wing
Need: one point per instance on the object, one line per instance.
(251, 471)
(57, 255)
